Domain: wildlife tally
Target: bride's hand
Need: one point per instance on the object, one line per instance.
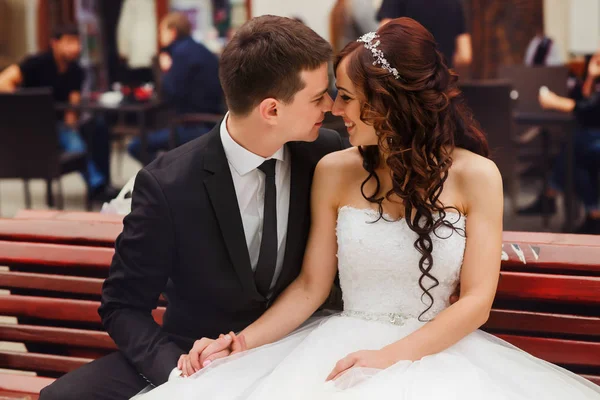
(185, 366)
(217, 349)
(379, 359)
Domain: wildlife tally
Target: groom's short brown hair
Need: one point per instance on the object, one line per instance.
(264, 59)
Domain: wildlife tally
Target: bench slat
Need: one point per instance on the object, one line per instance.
(26, 214)
(55, 283)
(23, 383)
(62, 336)
(555, 288)
(549, 239)
(60, 231)
(61, 255)
(558, 351)
(10, 395)
(534, 322)
(57, 309)
(40, 362)
(528, 253)
(593, 378)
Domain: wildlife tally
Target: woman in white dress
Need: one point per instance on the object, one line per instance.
(408, 214)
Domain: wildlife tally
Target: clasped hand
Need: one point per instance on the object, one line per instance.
(206, 350)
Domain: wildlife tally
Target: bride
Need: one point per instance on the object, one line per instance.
(408, 214)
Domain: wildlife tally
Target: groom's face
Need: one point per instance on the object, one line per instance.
(301, 119)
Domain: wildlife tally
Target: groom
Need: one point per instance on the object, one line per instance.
(219, 224)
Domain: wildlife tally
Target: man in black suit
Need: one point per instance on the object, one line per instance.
(220, 223)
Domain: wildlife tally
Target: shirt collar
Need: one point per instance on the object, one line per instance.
(243, 160)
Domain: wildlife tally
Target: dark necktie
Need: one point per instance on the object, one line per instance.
(267, 258)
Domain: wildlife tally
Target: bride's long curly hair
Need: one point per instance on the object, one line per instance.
(419, 119)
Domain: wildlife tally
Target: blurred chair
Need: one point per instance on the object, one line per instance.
(534, 145)
(492, 107)
(29, 146)
(189, 119)
(526, 82)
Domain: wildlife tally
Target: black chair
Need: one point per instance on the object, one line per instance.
(492, 107)
(526, 82)
(29, 146)
(536, 145)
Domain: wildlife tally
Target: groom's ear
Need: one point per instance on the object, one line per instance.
(269, 110)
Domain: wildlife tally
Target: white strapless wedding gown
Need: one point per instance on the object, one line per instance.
(379, 274)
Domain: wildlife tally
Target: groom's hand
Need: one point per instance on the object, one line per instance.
(218, 348)
(222, 343)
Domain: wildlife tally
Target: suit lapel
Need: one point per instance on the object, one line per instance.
(299, 215)
(222, 195)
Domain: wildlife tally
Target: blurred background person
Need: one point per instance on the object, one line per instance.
(585, 105)
(58, 69)
(350, 19)
(189, 83)
(445, 19)
(543, 51)
(136, 40)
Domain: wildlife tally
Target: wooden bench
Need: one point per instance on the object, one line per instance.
(57, 262)
(547, 301)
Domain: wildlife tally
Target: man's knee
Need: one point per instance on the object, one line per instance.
(63, 389)
(109, 377)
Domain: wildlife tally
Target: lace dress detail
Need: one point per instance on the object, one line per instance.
(379, 265)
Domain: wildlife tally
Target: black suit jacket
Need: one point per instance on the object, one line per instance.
(184, 236)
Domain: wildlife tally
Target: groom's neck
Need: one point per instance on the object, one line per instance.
(254, 135)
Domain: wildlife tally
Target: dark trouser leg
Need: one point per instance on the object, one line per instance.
(586, 151)
(188, 133)
(71, 141)
(590, 161)
(96, 130)
(108, 378)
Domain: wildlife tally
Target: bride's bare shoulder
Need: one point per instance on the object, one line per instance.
(473, 168)
(335, 173)
(343, 163)
(478, 177)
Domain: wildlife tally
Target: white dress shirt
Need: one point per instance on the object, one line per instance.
(249, 183)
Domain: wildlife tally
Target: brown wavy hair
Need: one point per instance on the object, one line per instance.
(419, 119)
(337, 20)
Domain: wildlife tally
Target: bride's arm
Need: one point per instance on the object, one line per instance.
(481, 184)
(311, 288)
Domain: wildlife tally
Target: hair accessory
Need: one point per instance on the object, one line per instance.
(370, 44)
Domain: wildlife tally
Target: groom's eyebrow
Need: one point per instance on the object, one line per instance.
(320, 94)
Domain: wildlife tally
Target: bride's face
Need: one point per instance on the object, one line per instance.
(347, 105)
